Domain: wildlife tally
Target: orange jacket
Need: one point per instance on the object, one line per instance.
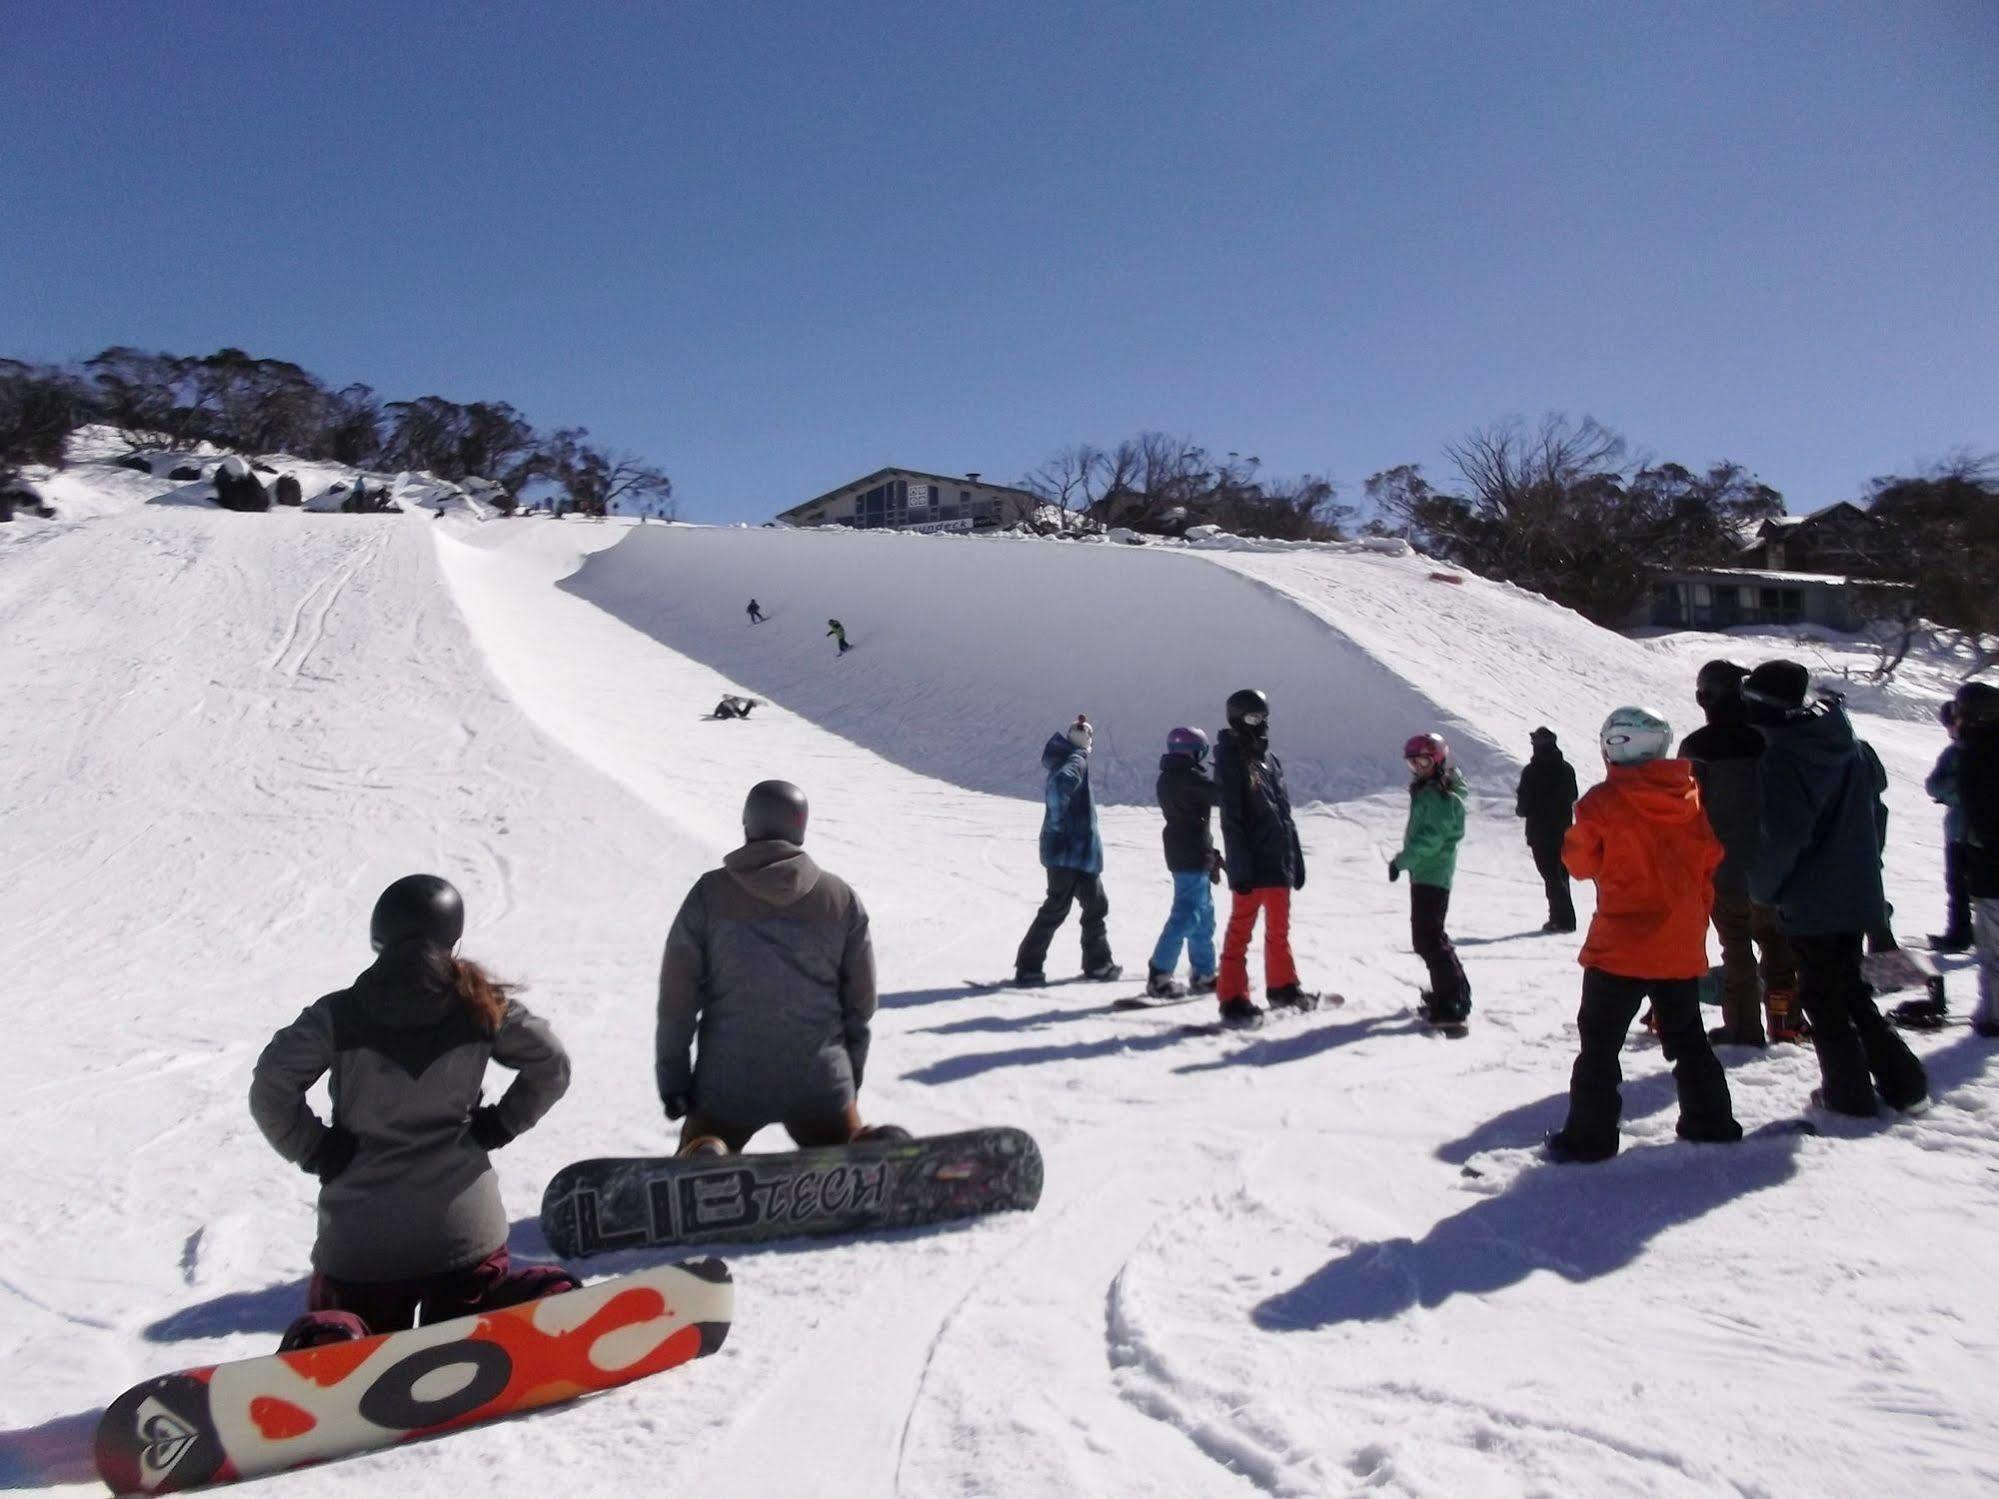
(1644, 839)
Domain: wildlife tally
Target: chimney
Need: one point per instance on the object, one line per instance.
(973, 477)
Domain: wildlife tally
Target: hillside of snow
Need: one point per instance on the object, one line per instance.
(1319, 1259)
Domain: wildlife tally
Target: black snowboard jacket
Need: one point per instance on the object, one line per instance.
(1186, 792)
(1259, 840)
(1724, 753)
(1819, 862)
(1546, 798)
(1978, 790)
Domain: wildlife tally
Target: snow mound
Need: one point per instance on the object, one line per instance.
(969, 652)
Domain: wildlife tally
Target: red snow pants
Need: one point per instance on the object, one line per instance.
(1274, 901)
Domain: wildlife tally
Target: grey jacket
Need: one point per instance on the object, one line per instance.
(1942, 787)
(407, 1059)
(770, 960)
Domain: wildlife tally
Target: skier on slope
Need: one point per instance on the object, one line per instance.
(1819, 864)
(1072, 852)
(769, 963)
(1547, 800)
(1642, 837)
(410, 1221)
(1724, 753)
(839, 632)
(1186, 792)
(1263, 859)
(1429, 856)
(1978, 787)
(756, 614)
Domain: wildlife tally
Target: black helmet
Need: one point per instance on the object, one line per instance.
(1719, 680)
(1781, 685)
(774, 809)
(420, 906)
(1977, 704)
(1248, 707)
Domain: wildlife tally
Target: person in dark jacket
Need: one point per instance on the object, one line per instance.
(757, 615)
(1546, 799)
(1186, 792)
(1978, 790)
(732, 706)
(1819, 864)
(1724, 753)
(770, 965)
(1262, 857)
(410, 1219)
(1073, 855)
(839, 633)
(1942, 785)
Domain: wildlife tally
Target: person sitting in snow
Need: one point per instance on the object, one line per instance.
(1429, 856)
(410, 1221)
(766, 992)
(1186, 792)
(1642, 836)
(732, 706)
(1073, 855)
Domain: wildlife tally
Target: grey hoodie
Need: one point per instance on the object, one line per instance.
(420, 1197)
(770, 960)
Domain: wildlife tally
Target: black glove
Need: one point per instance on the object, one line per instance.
(676, 1105)
(332, 1155)
(1394, 871)
(488, 1133)
(1214, 866)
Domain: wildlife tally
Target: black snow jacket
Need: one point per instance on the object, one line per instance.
(1259, 840)
(1820, 858)
(1978, 790)
(1725, 753)
(1186, 792)
(1547, 797)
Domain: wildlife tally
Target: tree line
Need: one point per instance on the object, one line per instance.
(1563, 507)
(236, 401)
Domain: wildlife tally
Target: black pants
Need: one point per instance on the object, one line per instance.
(1610, 1004)
(1450, 995)
(1067, 886)
(1555, 876)
(1957, 898)
(1858, 1050)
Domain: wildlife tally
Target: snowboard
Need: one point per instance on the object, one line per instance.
(995, 986)
(1158, 1001)
(593, 1207)
(264, 1415)
(1263, 1017)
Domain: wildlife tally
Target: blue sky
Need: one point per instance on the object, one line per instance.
(774, 246)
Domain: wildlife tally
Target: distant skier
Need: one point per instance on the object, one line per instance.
(1186, 792)
(1942, 786)
(1547, 800)
(1819, 864)
(1642, 837)
(839, 632)
(770, 964)
(1724, 753)
(732, 706)
(1073, 855)
(756, 614)
(1429, 857)
(410, 1220)
(1263, 859)
(1978, 788)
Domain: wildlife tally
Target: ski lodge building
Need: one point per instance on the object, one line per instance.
(905, 500)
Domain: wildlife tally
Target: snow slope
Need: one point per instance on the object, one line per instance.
(1321, 1259)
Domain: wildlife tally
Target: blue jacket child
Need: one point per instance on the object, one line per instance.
(1072, 853)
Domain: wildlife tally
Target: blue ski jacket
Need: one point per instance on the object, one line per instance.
(1069, 837)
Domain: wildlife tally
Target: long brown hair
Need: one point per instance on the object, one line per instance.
(483, 996)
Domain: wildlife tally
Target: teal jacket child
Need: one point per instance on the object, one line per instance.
(1436, 824)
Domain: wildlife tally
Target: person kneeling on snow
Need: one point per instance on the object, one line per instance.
(734, 707)
(1643, 837)
(1429, 857)
(410, 1220)
(770, 963)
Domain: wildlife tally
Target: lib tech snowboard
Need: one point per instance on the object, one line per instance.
(264, 1415)
(593, 1207)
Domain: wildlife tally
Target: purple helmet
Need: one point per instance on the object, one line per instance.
(1186, 741)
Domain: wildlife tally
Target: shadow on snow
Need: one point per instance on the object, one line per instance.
(57, 1451)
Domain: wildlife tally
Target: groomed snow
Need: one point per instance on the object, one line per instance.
(1260, 1266)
